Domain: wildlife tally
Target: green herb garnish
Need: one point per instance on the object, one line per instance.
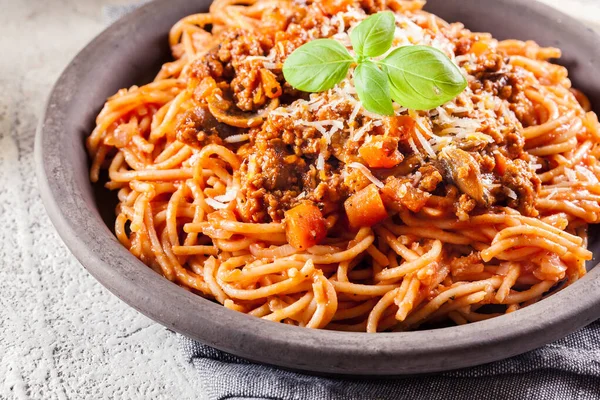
(374, 36)
(373, 88)
(422, 77)
(317, 66)
(416, 77)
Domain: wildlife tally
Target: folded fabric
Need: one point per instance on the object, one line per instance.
(567, 369)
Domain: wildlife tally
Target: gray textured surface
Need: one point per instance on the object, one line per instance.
(62, 334)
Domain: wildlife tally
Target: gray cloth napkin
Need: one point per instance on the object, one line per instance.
(567, 369)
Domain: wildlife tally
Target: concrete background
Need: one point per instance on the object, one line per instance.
(62, 335)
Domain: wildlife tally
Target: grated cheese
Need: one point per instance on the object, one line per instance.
(367, 173)
(425, 144)
(571, 175)
(417, 178)
(354, 114)
(217, 205)
(252, 58)
(237, 138)
(280, 112)
(321, 162)
(510, 193)
(587, 173)
(320, 126)
(413, 146)
(553, 193)
(230, 194)
(314, 104)
(359, 133)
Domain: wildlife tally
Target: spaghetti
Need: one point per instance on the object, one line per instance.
(311, 211)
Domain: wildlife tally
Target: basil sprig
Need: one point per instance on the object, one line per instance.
(416, 77)
(317, 66)
(373, 88)
(422, 77)
(374, 36)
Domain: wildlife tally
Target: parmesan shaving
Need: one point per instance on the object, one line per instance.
(571, 175)
(367, 173)
(237, 138)
(359, 133)
(229, 195)
(321, 162)
(252, 58)
(417, 178)
(425, 144)
(587, 174)
(320, 126)
(413, 146)
(510, 193)
(354, 112)
(217, 205)
(280, 112)
(553, 193)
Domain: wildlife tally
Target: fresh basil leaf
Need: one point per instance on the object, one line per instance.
(373, 88)
(422, 77)
(373, 36)
(317, 66)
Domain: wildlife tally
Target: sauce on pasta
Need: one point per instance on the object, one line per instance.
(307, 209)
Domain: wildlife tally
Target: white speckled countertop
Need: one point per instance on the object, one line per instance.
(62, 335)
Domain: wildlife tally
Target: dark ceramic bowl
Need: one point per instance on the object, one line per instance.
(130, 52)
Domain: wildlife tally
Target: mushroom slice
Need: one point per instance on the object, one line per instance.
(226, 112)
(462, 169)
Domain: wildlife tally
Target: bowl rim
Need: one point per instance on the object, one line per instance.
(297, 348)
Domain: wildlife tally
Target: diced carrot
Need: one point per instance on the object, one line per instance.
(400, 193)
(478, 48)
(402, 127)
(381, 152)
(333, 7)
(205, 88)
(305, 226)
(365, 207)
(270, 85)
(500, 163)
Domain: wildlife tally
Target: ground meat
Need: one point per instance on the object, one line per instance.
(464, 206)
(269, 186)
(430, 178)
(291, 157)
(494, 75)
(525, 183)
(246, 86)
(207, 66)
(237, 44)
(198, 128)
(373, 6)
(284, 169)
(463, 45)
(467, 264)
